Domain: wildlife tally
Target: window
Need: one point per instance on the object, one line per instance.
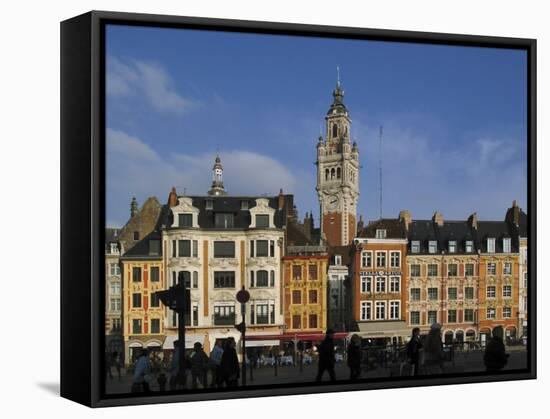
(380, 310)
(115, 304)
(313, 321)
(432, 317)
(136, 326)
(507, 312)
(334, 130)
(525, 280)
(452, 269)
(244, 205)
(195, 248)
(366, 284)
(380, 284)
(296, 272)
(469, 293)
(262, 279)
(251, 248)
(451, 316)
(224, 314)
(491, 313)
(312, 299)
(491, 292)
(195, 315)
(262, 247)
(380, 234)
(507, 245)
(136, 235)
(394, 310)
(136, 300)
(415, 270)
(185, 220)
(262, 221)
(271, 278)
(114, 288)
(155, 326)
(366, 308)
(184, 248)
(380, 259)
(452, 246)
(195, 279)
(155, 300)
(469, 269)
(469, 315)
(209, 204)
(491, 268)
(114, 248)
(507, 291)
(224, 249)
(432, 269)
(114, 269)
(395, 259)
(184, 277)
(469, 246)
(432, 246)
(432, 294)
(296, 297)
(395, 284)
(136, 274)
(272, 248)
(415, 317)
(296, 322)
(452, 293)
(490, 245)
(415, 294)
(174, 248)
(507, 270)
(415, 246)
(337, 260)
(116, 324)
(366, 259)
(155, 274)
(224, 279)
(312, 272)
(262, 313)
(223, 220)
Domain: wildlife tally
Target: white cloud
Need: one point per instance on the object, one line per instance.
(148, 79)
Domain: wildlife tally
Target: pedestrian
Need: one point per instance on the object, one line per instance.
(178, 377)
(215, 364)
(495, 357)
(433, 351)
(354, 357)
(199, 366)
(161, 380)
(229, 364)
(413, 350)
(142, 370)
(108, 363)
(326, 357)
(116, 362)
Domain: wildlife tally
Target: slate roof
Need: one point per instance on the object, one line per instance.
(395, 229)
(344, 251)
(111, 236)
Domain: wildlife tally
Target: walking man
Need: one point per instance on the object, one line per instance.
(326, 357)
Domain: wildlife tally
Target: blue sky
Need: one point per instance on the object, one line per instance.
(454, 118)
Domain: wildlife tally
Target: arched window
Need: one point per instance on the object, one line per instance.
(338, 173)
(334, 130)
(332, 174)
(326, 174)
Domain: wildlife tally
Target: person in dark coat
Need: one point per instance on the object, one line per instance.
(326, 357)
(229, 365)
(354, 357)
(199, 366)
(413, 350)
(495, 357)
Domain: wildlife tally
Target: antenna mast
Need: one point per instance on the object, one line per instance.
(380, 171)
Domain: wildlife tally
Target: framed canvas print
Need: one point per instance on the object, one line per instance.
(259, 209)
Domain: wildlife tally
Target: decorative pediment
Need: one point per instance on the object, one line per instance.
(185, 206)
(223, 262)
(262, 208)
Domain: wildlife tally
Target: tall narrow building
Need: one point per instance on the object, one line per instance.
(338, 175)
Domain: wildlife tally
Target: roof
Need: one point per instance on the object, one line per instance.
(344, 251)
(111, 236)
(395, 229)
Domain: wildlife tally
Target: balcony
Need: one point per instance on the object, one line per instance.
(228, 320)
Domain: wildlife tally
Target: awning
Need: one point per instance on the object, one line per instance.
(135, 345)
(383, 329)
(189, 341)
(259, 343)
(297, 336)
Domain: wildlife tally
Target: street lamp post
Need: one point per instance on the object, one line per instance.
(242, 297)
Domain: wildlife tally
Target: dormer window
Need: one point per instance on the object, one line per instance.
(380, 234)
(185, 220)
(224, 220)
(491, 245)
(244, 205)
(114, 248)
(209, 204)
(469, 246)
(432, 246)
(136, 235)
(154, 247)
(262, 221)
(337, 260)
(452, 246)
(415, 246)
(507, 245)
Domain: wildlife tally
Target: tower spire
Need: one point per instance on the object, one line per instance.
(217, 178)
(338, 76)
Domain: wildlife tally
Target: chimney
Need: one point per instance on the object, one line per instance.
(438, 218)
(281, 199)
(515, 210)
(472, 220)
(360, 224)
(172, 198)
(406, 218)
(133, 207)
(307, 226)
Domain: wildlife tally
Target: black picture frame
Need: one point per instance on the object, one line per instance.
(83, 200)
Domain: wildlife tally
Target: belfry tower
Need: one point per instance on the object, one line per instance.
(217, 179)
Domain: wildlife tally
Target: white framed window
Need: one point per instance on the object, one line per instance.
(380, 310)
(507, 312)
(380, 234)
(432, 269)
(432, 317)
(415, 294)
(432, 294)
(469, 246)
(381, 284)
(395, 284)
(366, 284)
(395, 259)
(380, 259)
(491, 292)
(469, 315)
(366, 259)
(366, 310)
(432, 246)
(469, 269)
(451, 316)
(469, 293)
(491, 313)
(114, 289)
(507, 291)
(415, 317)
(525, 280)
(452, 269)
(507, 268)
(415, 246)
(452, 293)
(114, 248)
(395, 311)
(114, 269)
(415, 270)
(507, 245)
(115, 303)
(491, 268)
(452, 246)
(337, 260)
(490, 245)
